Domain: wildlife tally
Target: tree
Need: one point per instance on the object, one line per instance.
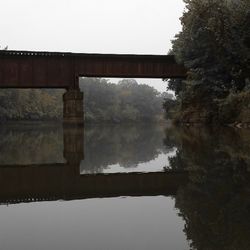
(212, 45)
(126, 101)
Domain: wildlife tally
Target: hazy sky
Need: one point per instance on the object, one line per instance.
(91, 26)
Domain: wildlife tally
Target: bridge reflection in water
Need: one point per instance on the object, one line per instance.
(63, 181)
(209, 181)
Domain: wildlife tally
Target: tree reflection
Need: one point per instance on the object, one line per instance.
(31, 143)
(124, 145)
(104, 145)
(215, 203)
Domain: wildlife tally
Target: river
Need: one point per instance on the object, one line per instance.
(131, 187)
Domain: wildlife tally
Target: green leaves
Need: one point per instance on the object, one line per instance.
(213, 46)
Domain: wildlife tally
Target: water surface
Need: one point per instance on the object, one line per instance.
(124, 187)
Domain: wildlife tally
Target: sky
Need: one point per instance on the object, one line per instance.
(91, 26)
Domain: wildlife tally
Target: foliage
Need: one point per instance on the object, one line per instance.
(27, 104)
(235, 108)
(126, 101)
(213, 45)
(171, 107)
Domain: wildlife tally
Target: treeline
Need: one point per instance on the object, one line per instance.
(30, 104)
(214, 45)
(126, 101)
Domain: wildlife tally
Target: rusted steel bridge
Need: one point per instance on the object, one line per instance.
(31, 69)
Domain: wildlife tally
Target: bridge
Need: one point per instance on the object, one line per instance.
(32, 69)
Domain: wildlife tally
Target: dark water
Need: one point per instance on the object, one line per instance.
(124, 187)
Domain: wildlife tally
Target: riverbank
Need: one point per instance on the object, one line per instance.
(234, 111)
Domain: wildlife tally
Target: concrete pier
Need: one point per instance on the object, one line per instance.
(73, 107)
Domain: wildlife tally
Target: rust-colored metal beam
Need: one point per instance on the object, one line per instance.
(31, 69)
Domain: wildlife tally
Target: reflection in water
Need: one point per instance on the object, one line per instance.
(31, 144)
(110, 149)
(215, 203)
(107, 149)
(52, 181)
(146, 221)
(206, 181)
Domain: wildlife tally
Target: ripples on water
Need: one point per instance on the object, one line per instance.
(124, 187)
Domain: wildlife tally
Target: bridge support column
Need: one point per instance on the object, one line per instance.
(73, 107)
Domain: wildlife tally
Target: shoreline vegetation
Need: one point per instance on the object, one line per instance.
(104, 102)
(214, 46)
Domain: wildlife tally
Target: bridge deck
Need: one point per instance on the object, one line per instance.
(31, 69)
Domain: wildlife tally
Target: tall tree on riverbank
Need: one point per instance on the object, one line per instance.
(213, 47)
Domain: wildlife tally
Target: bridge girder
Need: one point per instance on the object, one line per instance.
(31, 69)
